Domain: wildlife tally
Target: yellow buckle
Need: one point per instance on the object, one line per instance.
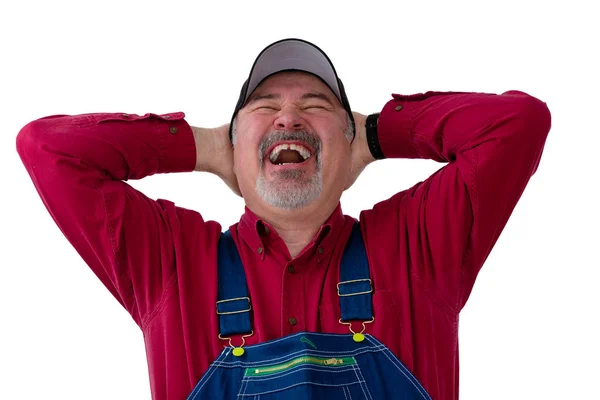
(237, 351)
(358, 336)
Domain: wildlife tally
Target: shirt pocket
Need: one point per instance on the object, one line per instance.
(84, 120)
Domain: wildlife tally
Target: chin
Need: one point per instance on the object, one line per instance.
(290, 196)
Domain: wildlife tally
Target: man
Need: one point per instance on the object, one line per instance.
(296, 300)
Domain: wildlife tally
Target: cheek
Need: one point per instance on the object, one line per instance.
(336, 161)
(245, 163)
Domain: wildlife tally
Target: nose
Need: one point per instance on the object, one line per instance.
(289, 118)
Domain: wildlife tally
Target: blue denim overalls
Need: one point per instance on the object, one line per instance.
(304, 365)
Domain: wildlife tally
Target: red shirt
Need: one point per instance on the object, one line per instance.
(425, 245)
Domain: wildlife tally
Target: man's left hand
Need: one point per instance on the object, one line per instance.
(361, 155)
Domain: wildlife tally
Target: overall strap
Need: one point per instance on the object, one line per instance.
(355, 288)
(233, 303)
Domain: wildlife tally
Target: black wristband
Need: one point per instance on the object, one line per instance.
(372, 136)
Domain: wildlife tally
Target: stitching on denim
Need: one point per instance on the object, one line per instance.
(236, 364)
(410, 377)
(243, 387)
(289, 356)
(355, 369)
(208, 374)
(376, 347)
(294, 354)
(405, 372)
(344, 388)
(300, 368)
(241, 392)
(364, 386)
(298, 384)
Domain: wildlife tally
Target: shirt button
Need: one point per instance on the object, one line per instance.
(173, 130)
(398, 108)
(125, 115)
(321, 250)
(267, 231)
(167, 117)
(292, 321)
(291, 269)
(260, 250)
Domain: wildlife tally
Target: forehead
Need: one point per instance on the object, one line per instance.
(293, 82)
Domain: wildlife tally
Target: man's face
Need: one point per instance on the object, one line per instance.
(290, 147)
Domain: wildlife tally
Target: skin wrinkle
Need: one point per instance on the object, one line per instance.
(290, 112)
(297, 191)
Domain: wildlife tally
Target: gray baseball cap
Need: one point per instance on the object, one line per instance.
(292, 55)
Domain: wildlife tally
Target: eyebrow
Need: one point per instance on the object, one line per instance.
(314, 95)
(305, 96)
(270, 96)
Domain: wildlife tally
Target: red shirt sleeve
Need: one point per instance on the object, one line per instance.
(446, 226)
(78, 165)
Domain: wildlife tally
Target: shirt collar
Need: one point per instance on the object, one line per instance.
(252, 230)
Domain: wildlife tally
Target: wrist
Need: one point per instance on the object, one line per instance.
(361, 138)
(205, 149)
(214, 151)
(372, 135)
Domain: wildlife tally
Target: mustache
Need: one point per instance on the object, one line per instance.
(311, 140)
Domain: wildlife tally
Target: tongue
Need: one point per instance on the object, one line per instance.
(289, 156)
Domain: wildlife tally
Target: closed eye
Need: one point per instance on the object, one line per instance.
(266, 107)
(315, 106)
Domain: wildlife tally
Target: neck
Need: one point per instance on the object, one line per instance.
(296, 228)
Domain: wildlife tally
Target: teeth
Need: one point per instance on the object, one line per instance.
(304, 152)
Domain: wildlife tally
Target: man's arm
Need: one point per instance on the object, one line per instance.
(450, 222)
(78, 165)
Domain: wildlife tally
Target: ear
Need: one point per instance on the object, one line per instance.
(346, 105)
(234, 164)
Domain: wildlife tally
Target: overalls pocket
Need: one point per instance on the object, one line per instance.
(305, 377)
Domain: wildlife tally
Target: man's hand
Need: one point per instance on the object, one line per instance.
(214, 154)
(361, 155)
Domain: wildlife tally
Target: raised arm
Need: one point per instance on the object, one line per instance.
(78, 165)
(447, 225)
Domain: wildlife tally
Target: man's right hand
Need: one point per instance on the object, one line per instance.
(214, 154)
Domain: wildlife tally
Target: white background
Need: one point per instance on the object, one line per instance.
(530, 329)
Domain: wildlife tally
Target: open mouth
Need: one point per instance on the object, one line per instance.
(289, 153)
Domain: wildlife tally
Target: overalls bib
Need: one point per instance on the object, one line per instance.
(304, 365)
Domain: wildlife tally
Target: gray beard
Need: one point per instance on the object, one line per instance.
(290, 190)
